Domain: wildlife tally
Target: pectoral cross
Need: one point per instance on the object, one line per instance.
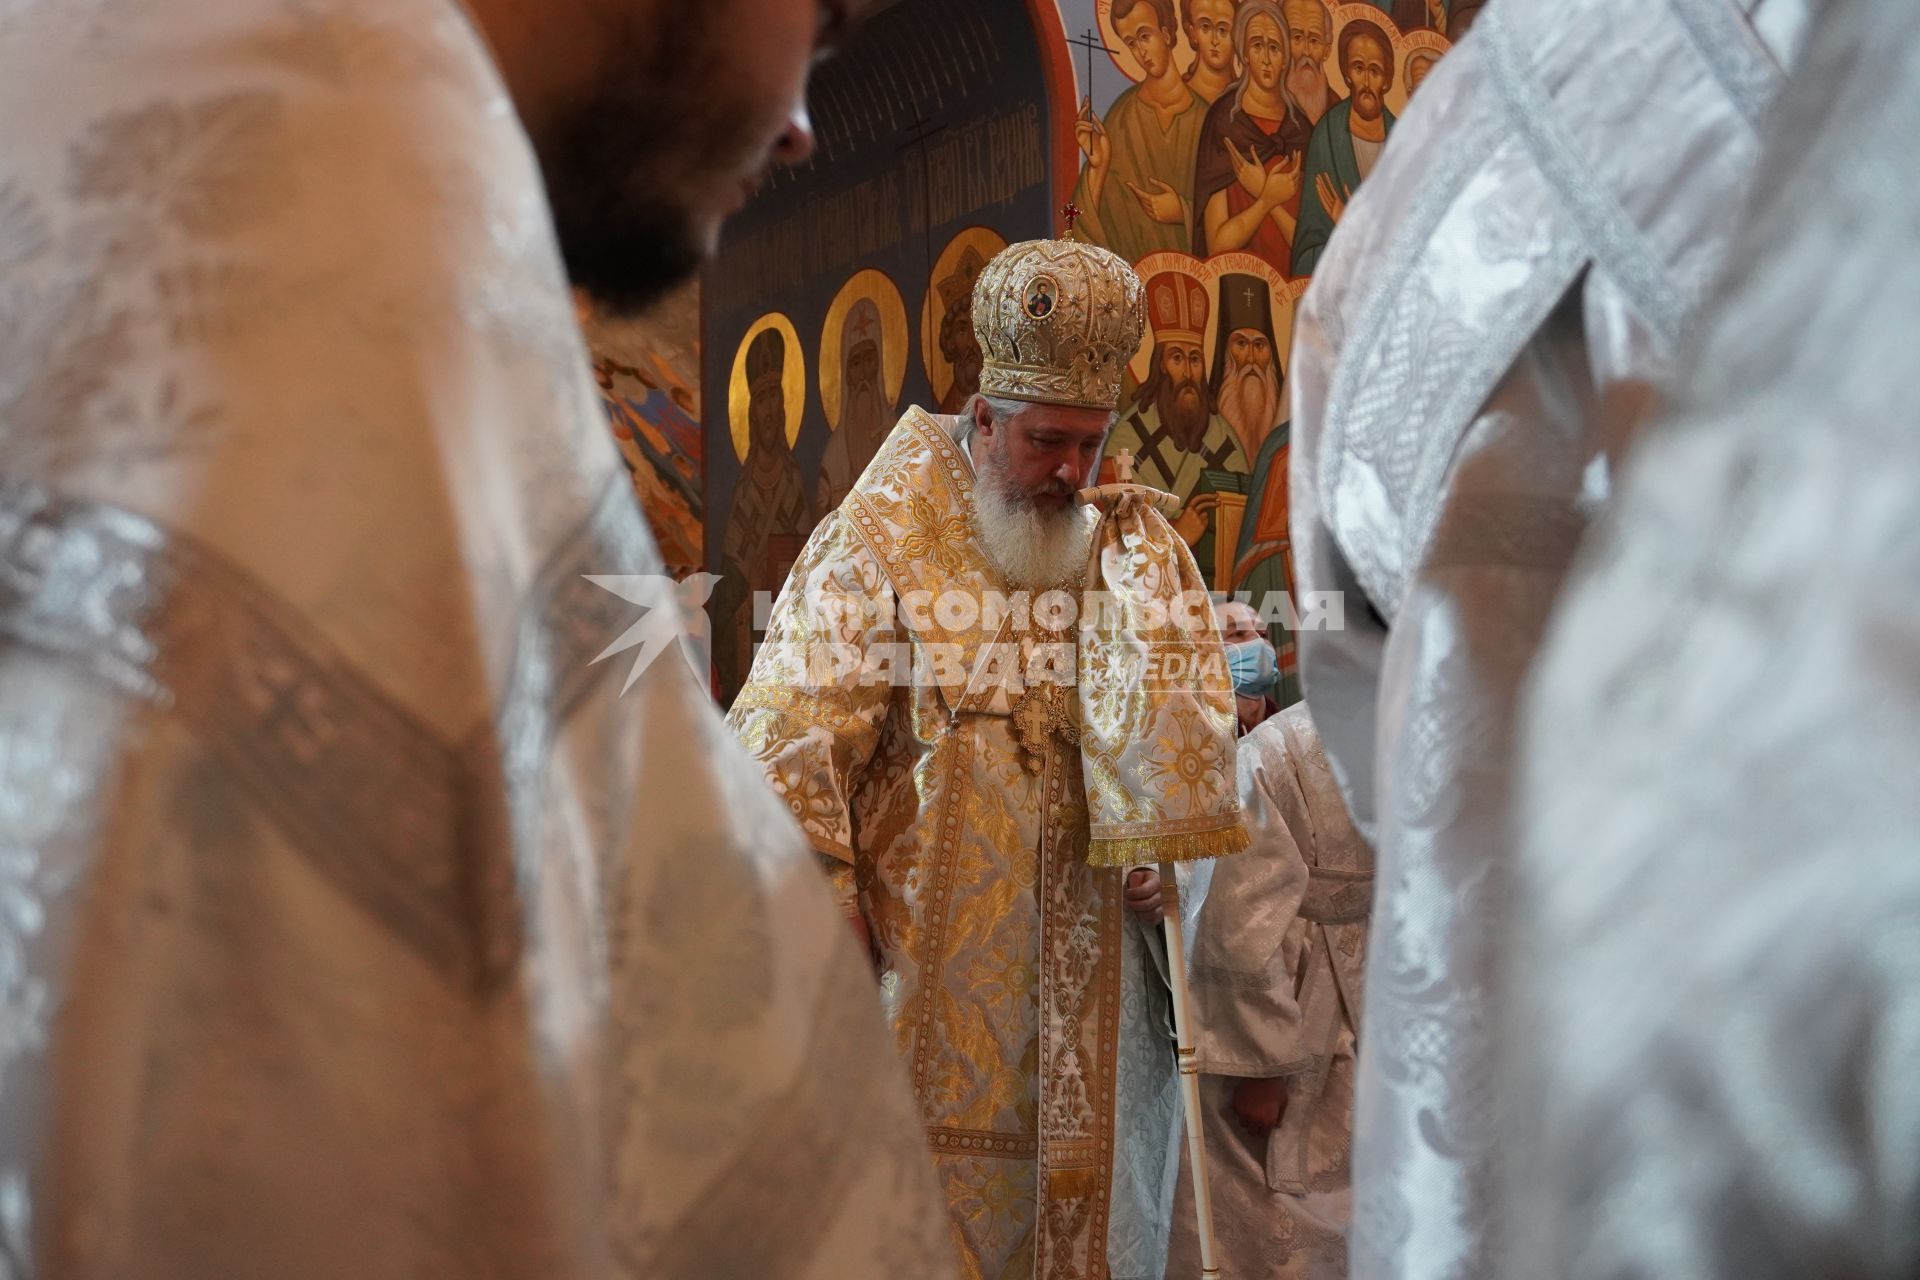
(1040, 717)
(1123, 466)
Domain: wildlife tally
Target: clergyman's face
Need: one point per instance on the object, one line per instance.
(1029, 466)
(1211, 34)
(1048, 452)
(1266, 52)
(684, 110)
(1150, 44)
(1369, 71)
(1239, 623)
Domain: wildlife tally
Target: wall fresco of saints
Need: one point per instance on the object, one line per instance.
(861, 360)
(844, 293)
(1220, 141)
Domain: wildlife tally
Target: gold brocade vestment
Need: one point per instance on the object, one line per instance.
(1016, 988)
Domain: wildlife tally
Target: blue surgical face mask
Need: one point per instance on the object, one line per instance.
(1255, 668)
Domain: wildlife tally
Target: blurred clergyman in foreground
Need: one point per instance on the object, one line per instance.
(351, 923)
(1709, 1055)
(1475, 351)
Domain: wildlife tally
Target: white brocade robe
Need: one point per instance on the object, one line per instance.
(1476, 345)
(1278, 964)
(352, 924)
(1711, 1056)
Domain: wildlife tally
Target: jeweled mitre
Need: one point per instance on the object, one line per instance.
(1057, 321)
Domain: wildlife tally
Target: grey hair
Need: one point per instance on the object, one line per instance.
(1003, 410)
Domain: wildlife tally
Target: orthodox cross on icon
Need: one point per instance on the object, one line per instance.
(1090, 40)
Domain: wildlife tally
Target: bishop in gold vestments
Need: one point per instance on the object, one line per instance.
(951, 809)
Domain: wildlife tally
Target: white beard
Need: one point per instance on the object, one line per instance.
(1250, 401)
(1032, 548)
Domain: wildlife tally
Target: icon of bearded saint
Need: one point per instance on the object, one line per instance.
(865, 413)
(957, 342)
(1178, 309)
(1310, 35)
(1246, 369)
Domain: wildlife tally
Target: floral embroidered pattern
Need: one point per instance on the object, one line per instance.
(936, 537)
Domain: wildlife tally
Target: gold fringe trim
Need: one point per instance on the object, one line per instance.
(1139, 851)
